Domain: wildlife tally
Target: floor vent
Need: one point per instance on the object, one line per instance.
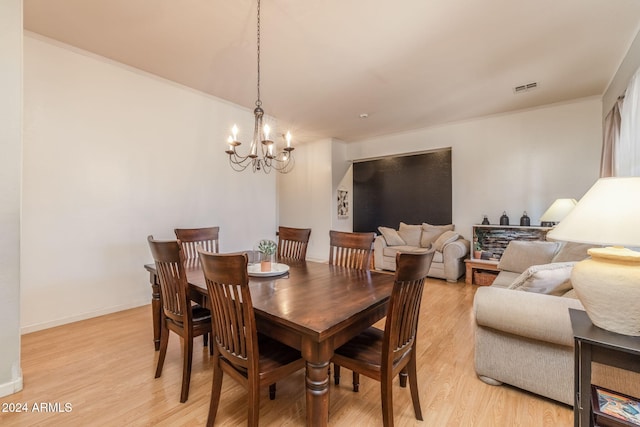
(525, 88)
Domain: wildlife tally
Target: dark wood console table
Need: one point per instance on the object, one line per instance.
(594, 344)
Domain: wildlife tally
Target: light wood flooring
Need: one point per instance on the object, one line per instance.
(104, 368)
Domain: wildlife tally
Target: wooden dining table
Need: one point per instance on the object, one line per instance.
(315, 308)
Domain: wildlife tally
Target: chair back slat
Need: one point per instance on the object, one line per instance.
(404, 305)
(234, 329)
(293, 242)
(191, 238)
(169, 260)
(351, 250)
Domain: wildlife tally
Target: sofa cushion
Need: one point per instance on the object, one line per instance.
(410, 234)
(521, 254)
(430, 233)
(391, 251)
(505, 279)
(550, 279)
(391, 236)
(444, 239)
(570, 251)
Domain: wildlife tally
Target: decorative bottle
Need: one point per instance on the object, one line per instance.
(525, 221)
(504, 219)
(485, 220)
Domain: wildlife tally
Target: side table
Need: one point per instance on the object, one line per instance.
(594, 344)
(477, 264)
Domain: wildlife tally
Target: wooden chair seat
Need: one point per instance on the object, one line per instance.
(383, 355)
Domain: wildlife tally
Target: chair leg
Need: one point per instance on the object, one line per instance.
(186, 367)
(205, 340)
(164, 342)
(403, 378)
(356, 382)
(210, 344)
(272, 391)
(216, 389)
(413, 384)
(336, 374)
(254, 404)
(387, 400)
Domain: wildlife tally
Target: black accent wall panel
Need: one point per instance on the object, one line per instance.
(412, 189)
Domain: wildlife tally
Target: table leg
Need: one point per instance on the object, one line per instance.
(468, 275)
(318, 357)
(585, 385)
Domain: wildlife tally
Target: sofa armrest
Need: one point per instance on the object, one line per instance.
(537, 316)
(456, 250)
(378, 246)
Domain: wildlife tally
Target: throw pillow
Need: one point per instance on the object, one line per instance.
(410, 234)
(550, 279)
(391, 236)
(430, 233)
(521, 254)
(444, 239)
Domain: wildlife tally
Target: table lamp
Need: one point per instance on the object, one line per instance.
(557, 212)
(607, 284)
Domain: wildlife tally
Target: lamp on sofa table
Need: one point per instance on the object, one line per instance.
(557, 212)
(608, 284)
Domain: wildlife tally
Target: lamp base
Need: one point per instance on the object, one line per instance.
(608, 286)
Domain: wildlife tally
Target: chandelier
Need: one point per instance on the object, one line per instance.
(263, 154)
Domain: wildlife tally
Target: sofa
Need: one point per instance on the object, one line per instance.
(523, 334)
(450, 248)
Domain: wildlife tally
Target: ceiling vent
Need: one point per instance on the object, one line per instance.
(525, 88)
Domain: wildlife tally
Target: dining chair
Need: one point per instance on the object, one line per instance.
(352, 250)
(248, 357)
(382, 355)
(185, 322)
(293, 242)
(191, 238)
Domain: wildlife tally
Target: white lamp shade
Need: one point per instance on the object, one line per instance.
(558, 210)
(608, 214)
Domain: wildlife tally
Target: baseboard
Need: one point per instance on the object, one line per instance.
(11, 387)
(82, 316)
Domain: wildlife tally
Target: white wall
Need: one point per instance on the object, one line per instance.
(111, 155)
(511, 162)
(10, 163)
(305, 195)
(620, 80)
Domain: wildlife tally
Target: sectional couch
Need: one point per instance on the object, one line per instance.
(523, 334)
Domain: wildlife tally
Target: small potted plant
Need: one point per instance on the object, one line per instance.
(267, 249)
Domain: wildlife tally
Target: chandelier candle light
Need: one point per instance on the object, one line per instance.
(265, 157)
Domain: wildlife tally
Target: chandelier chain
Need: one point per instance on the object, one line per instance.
(258, 101)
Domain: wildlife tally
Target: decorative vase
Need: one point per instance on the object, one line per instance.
(266, 262)
(608, 286)
(525, 221)
(485, 220)
(504, 219)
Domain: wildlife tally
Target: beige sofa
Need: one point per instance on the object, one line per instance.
(523, 334)
(448, 260)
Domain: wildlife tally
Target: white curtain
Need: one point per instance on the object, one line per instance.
(627, 153)
(610, 140)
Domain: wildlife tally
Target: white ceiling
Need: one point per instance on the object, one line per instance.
(408, 64)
